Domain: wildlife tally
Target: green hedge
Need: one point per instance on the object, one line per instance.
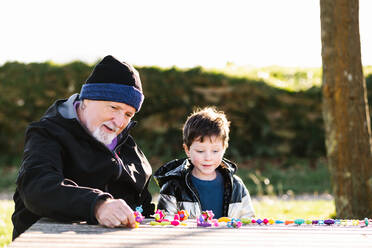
(265, 121)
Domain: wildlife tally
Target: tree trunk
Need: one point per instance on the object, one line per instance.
(345, 109)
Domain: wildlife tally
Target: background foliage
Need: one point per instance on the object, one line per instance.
(274, 113)
(265, 120)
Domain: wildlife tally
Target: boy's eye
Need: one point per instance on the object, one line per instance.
(215, 151)
(199, 151)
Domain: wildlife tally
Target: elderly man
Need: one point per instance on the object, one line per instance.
(80, 163)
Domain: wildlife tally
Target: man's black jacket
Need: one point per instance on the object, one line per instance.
(65, 170)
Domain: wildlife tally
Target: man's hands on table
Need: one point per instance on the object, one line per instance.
(113, 213)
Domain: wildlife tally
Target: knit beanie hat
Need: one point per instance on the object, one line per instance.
(112, 80)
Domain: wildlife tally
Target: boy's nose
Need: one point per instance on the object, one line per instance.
(208, 156)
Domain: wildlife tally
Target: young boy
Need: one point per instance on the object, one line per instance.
(205, 180)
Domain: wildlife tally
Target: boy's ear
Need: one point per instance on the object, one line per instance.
(186, 150)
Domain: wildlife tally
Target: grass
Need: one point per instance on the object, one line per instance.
(269, 178)
(6, 227)
(288, 78)
(294, 209)
(268, 208)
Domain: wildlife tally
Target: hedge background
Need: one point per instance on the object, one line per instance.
(265, 121)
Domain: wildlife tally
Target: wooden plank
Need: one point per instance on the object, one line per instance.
(51, 234)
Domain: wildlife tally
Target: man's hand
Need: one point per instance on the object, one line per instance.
(113, 213)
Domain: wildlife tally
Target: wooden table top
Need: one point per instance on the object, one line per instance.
(47, 233)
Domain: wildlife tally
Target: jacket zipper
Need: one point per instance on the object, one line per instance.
(197, 198)
(125, 136)
(114, 153)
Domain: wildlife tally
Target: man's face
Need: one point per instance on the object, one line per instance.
(104, 119)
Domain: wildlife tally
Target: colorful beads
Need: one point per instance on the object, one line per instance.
(234, 223)
(138, 216)
(206, 219)
(183, 214)
(159, 215)
(299, 221)
(225, 219)
(329, 222)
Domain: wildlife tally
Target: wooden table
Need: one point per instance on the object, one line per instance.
(46, 233)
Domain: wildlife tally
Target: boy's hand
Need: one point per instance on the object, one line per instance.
(113, 213)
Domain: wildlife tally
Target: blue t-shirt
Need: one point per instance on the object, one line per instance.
(210, 193)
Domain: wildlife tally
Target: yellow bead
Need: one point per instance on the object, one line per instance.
(224, 219)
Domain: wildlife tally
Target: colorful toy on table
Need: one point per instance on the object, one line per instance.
(224, 219)
(159, 216)
(177, 219)
(328, 222)
(138, 215)
(183, 214)
(206, 219)
(234, 223)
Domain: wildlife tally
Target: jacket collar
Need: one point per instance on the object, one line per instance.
(67, 108)
(180, 167)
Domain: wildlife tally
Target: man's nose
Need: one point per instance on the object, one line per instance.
(119, 121)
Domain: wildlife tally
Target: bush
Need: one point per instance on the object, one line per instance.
(265, 121)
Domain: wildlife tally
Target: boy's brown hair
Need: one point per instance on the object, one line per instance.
(206, 122)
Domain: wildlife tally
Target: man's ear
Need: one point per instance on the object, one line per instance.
(186, 150)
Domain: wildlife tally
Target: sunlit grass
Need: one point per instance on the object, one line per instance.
(288, 78)
(294, 209)
(6, 226)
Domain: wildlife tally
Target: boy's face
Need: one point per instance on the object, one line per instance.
(206, 156)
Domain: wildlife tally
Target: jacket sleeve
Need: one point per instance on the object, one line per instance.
(42, 186)
(242, 206)
(147, 205)
(167, 201)
(247, 210)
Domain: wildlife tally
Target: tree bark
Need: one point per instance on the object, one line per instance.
(345, 109)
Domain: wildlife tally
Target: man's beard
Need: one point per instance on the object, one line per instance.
(105, 137)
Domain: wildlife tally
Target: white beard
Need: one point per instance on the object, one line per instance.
(105, 137)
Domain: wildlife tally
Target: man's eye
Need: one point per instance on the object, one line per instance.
(129, 115)
(113, 107)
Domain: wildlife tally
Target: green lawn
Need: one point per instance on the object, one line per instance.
(6, 227)
(268, 208)
(294, 209)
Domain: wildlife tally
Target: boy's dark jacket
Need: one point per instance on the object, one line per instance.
(177, 192)
(65, 170)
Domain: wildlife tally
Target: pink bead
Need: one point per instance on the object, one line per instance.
(177, 217)
(175, 222)
(265, 221)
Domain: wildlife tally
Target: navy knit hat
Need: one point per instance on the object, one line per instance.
(112, 80)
